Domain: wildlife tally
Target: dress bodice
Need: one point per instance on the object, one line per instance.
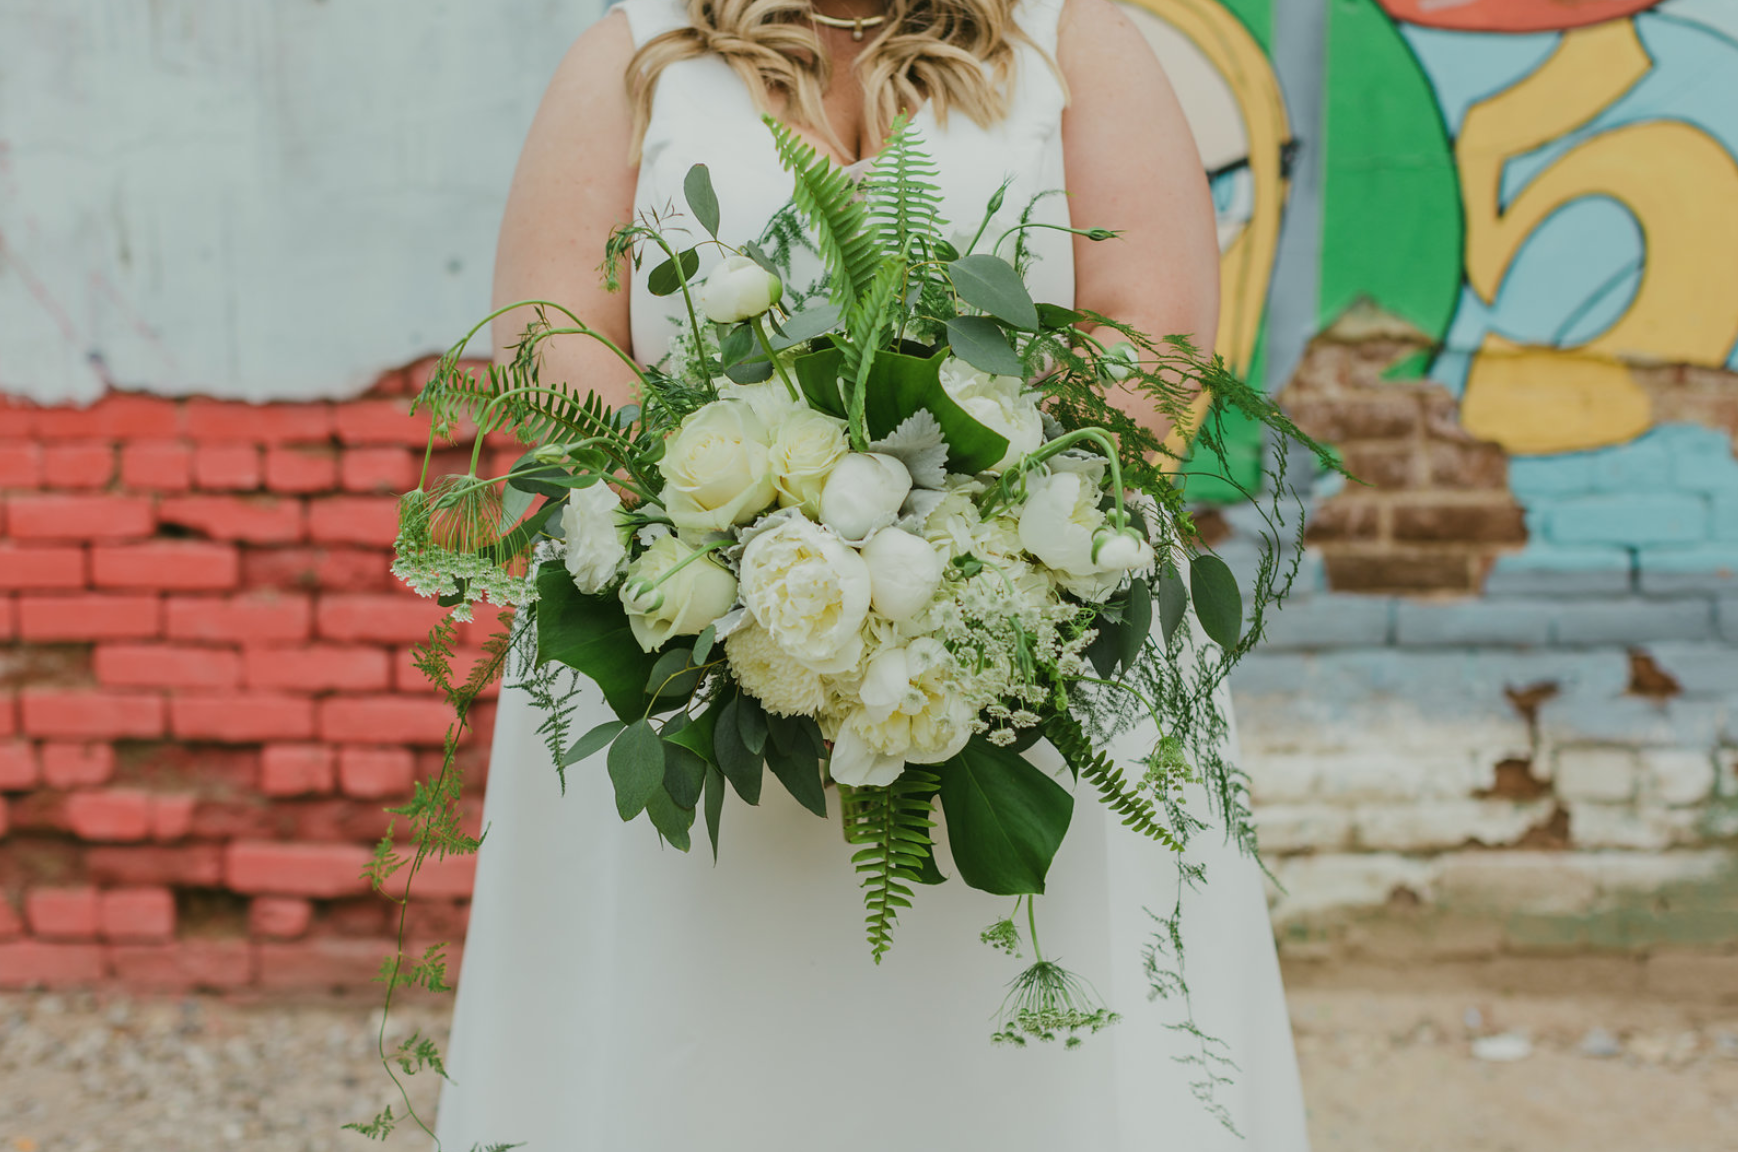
(702, 113)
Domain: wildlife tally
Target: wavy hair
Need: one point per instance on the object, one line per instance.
(957, 54)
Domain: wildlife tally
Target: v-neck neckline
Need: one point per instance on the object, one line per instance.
(864, 162)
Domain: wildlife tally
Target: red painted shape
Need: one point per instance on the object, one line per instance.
(1512, 15)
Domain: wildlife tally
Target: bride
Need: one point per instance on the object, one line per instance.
(620, 996)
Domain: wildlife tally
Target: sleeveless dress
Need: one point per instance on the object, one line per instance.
(621, 996)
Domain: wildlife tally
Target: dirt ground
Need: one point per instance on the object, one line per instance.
(1418, 1070)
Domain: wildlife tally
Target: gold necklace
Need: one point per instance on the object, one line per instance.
(855, 23)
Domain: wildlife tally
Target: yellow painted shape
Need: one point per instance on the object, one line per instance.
(1536, 401)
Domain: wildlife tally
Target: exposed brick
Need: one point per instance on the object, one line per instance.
(1467, 467)
(241, 717)
(1455, 523)
(69, 766)
(187, 866)
(274, 868)
(48, 618)
(1385, 467)
(29, 963)
(378, 618)
(320, 964)
(65, 516)
(380, 422)
(117, 416)
(78, 464)
(221, 420)
(116, 815)
(227, 467)
(62, 913)
(318, 668)
(1400, 572)
(384, 719)
(170, 565)
(297, 770)
(19, 767)
(374, 773)
(89, 715)
(165, 666)
(256, 519)
(20, 465)
(301, 469)
(137, 915)
(365, 520)
(332, 569)
(157, 465)
(34, 567)
(1339, 520)
(183, 966)
(249, 619)
(279, 917)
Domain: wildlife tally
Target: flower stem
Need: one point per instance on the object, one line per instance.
(766, 346)
(1032, 928)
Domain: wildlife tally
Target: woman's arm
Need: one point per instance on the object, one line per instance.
(1132, 165)
(572, 186)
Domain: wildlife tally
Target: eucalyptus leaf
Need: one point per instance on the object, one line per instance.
(792, 756)
(684, 774)
(751, 723)
(1137, 622)
(755, 253)
(980, 342)
(806, 325)
(1218, 603)
(593, 741)
(636, 767)
(1056, 316)
(674, 674)
(742, 766)
(751, 371)
(703, 644)
(1005, 818)
(990, 283)
(541, 479)
(738, 345)
(1173, 601)
(663, 280)
(671, 820)
(714, 806)
(702, 200)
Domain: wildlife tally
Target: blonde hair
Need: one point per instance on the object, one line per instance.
(957, 54)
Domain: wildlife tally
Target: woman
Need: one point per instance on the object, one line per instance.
(621, 996)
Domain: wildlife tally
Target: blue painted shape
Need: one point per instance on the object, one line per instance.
(1536, 478)
(1632, 621)
(1575, 276)
(1543, 569)
(1723, 523)
(1482, 623)
(1467, 67)
(1702, 459)
(1639, 518)
(1718, 16)
(1698, 569)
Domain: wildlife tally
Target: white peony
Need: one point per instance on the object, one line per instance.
(863, 493)
(770, 399)
(738, 288)
(910, 712)
(1125, 550)
(783, 686)
(806, 447)
(1000, 403)
(808, 589)
(715, 468)
(684, 603)
(904, 572)
(1058, 520)
(596, 539)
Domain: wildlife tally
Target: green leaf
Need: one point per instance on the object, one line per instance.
(670, 819)
(980, 342)
(702, 200)
(738, 345)
(806, 325)
(1056, 316)
(703, 644)
(1218, 603)
(1005, 818)
(1173, 600)
(684, 774)
(1137, 622)
(793, 753)
(751, 723)
(541, 480)
(636, 765)
(901, 385)
(991, 284)
(714, 806)
(674, 675)
(664, 281)
(741, 765)
(591, 635)
(593, 742)
(515, 502)
(817, 375)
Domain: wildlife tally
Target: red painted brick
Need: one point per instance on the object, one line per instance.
(41, 566)
(378, 618)
(366, 520)
(250, 619)
(227, 467)
(89, 715)
(275, 868)
(18, 417)
(189, 866)
(8, 715)
(117, 416)
(241, 717)
(157, 465)
(62, 913)
(184, 966)
(322, 964)
(170, 565)
(318, 668)
(5, 818)
(297, 770)
(333, 569)
(384, 720)
(63, 516)
(78, 464)
(301, 469)
(137, 915)
(32, 963)
(407, 677)
(69, 766)
(390, 470)
(8, 617)
(374, 773)
(20, 464)
(451, 877)
(279, 917)
(11, 923)
(165, 666)
(258, 423)
(19, 767)
(380, 422)
(486, 623)
(256, 519)
(46, 618)
(116, 815)
(171, 817)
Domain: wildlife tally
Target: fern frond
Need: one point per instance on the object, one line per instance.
(892, 824)
(1065, 732)
(828, 199)
(868, 326)
(903, 196)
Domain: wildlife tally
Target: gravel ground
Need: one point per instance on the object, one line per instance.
(1428, 1071)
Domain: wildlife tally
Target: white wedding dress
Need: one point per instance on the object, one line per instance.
(620, 996)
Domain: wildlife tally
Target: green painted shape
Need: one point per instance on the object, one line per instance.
(1257, 16)
(1245, 441)
(1391, 220)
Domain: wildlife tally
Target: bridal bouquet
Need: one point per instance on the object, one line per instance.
(888, 539)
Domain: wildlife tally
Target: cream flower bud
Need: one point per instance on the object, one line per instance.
(664, 600)
(1058, 521)
(999, 403)
(904, 572)
(864, 493)
(596, 539)
(1119, 360)
(1121, 549)
(715, 468)
(737, 289)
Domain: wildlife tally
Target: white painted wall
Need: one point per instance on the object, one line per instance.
(255, 198)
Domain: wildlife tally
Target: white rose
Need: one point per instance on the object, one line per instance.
(910, 712)
(783, 687)
(809, 591)
(863, 493)
(715, 468)
(999, 403)
(1058, 520)
(904, 572)
(595, 537)
(738, 288)
(770, 399)
(684, 603)
(806, 447)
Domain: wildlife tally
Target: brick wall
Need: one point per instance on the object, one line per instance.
(206, 691)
